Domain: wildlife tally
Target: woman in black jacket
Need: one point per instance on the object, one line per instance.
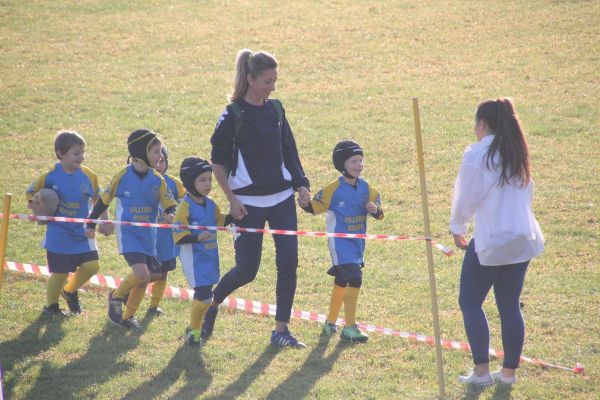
(255, 161)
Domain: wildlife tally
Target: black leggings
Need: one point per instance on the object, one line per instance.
(248, 249)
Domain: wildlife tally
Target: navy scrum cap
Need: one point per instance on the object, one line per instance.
(343, 151)
(190, 168)
(139, 143)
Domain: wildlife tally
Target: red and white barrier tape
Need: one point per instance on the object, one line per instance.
(255, 307)
(233, 229)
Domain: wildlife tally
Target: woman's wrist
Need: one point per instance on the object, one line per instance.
(231, 197)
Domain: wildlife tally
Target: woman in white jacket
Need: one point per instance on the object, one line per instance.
(494, 187)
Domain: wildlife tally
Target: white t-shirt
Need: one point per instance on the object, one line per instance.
(505, 230)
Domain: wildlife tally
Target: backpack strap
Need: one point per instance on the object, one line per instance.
(279, 108)
(237, 113)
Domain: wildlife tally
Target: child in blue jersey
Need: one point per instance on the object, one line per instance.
(166, 251)
(348, 201)
(199, 253)
(67, 247)
(139, 190)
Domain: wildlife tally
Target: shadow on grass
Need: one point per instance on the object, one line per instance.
(299, 384)
(187, 360)
(501, 392)
(100, 364)
(32, 341)
(241, 384)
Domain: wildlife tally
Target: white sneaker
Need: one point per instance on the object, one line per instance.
(498, 377)
(479, 381)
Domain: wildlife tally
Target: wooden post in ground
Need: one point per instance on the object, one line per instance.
(429, 250)
(4, 235)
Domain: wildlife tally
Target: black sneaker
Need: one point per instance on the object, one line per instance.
(285, 339)
(131, 324)
(209, 322)
(72, 300)
(154, 312)
(115, 309)
(54, 310)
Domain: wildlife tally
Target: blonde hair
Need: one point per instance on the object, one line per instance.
(249, 63)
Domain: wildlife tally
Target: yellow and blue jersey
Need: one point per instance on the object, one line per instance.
(165, 245)
(77, 192)
(345, 206)
(137, 200)
(200, 260)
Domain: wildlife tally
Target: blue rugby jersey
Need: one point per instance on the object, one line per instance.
(137, 200)
(346, 210)
(77, 192)
(268, 161)
(200, 260)
(165, 246)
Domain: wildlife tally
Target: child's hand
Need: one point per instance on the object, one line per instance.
(168, 218)
(303, 196)
(106, 229)
(205, 235)
(90, 233)
(372, 208)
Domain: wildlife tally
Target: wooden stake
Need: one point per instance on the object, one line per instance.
(427, 227)
(4, 235)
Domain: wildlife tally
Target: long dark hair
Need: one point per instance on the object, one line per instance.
(509, 140)
(251, 63)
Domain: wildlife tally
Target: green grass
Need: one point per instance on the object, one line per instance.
(348, 69)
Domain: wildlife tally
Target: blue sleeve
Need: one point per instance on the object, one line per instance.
(222, 139)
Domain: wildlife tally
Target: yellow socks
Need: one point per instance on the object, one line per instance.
(54, 287)
(158, 290)
(82, 275)
(350, 302)
(337, 299)
(197, 315)
(127, 285)
(136, 295)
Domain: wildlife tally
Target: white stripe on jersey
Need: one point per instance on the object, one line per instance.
(118, 215)
(330, 225)
(186, 256)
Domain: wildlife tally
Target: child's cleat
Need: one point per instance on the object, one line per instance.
(353, 334)
(285, 339)
(155, 312)
(330, 329)
(131, 324)
(53, 310)
(115, 309)
(209, 322)
(193, 337)
(479, 381)
(72, 300)
(500, 378)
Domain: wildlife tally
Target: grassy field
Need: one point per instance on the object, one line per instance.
(348, 69)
